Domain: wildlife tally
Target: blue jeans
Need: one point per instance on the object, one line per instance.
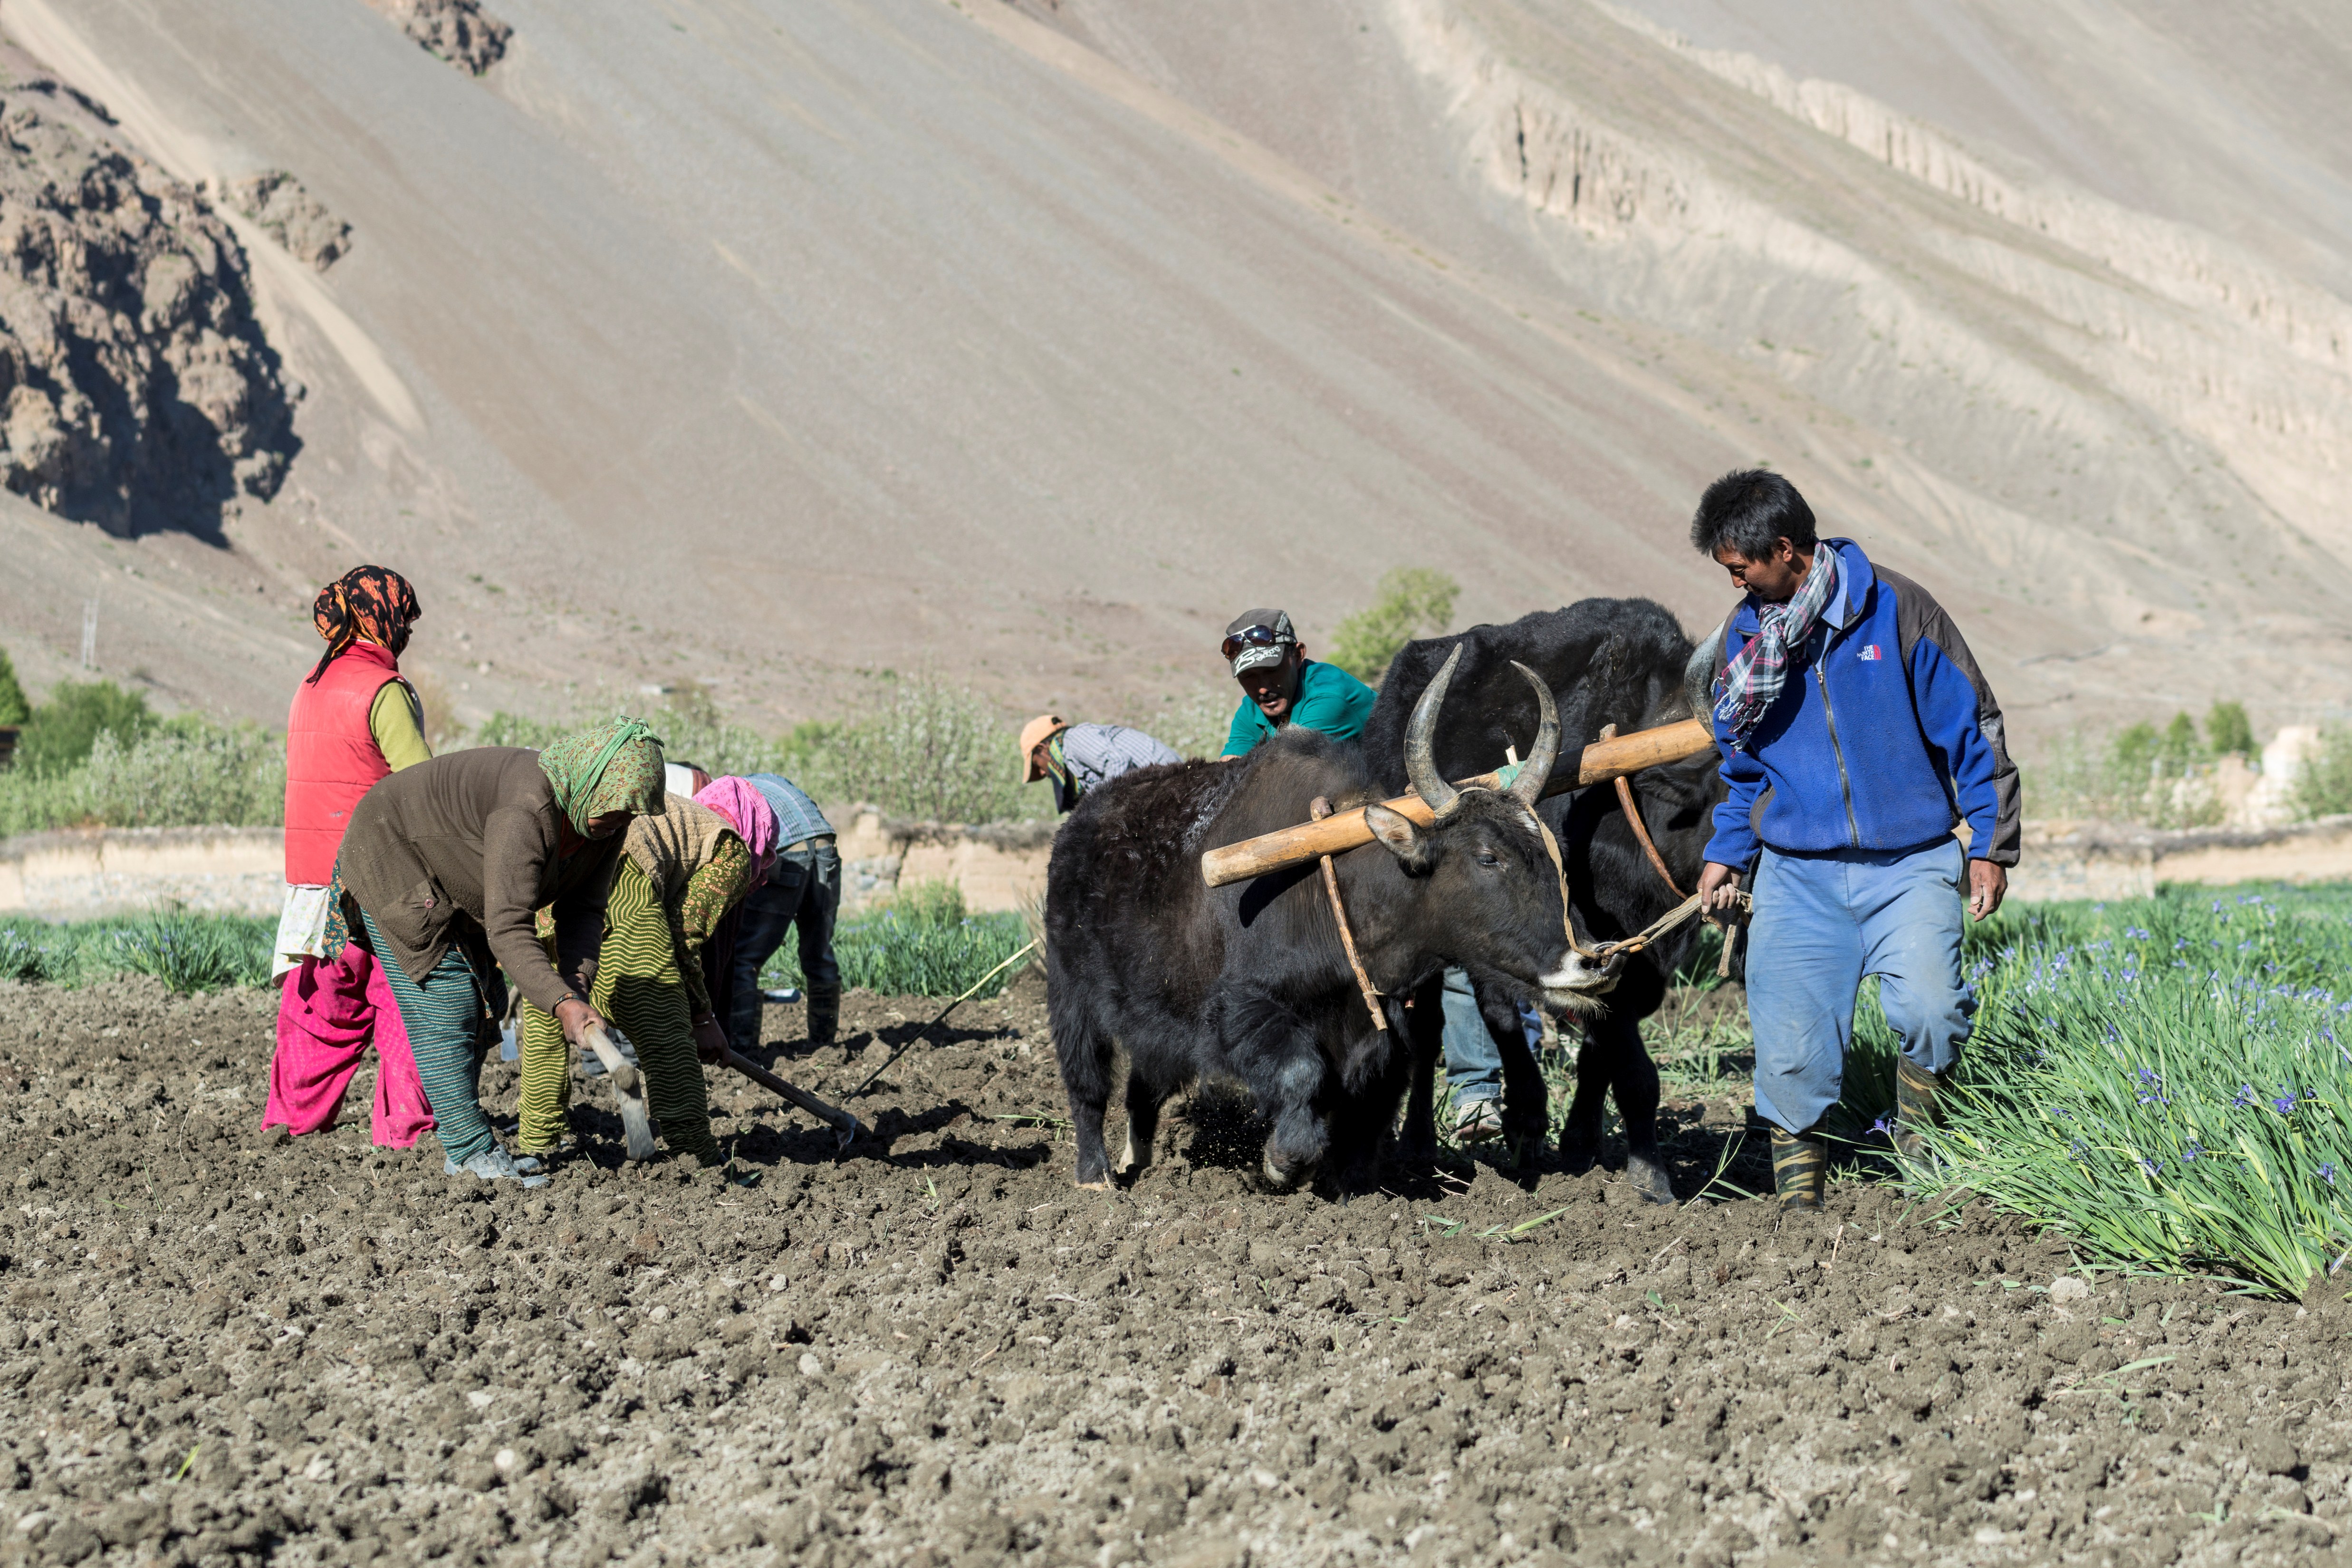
(802, 894)
(1473, 1063)
(1473, 1066)
(1824, 921)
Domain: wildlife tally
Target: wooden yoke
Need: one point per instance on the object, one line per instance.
(1343, 831)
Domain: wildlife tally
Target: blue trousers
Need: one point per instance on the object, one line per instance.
(1823, 922)
(801, 897)
(1473, 1063)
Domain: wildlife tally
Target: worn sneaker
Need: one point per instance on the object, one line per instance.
(1479, 1121)
(495, 1164)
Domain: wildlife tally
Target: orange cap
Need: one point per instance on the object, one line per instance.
(1043, 727)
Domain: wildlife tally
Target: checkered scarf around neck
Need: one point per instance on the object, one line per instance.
(613, 766)
(372, 601)
(1753, 682)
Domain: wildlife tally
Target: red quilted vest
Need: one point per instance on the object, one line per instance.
(332, 758)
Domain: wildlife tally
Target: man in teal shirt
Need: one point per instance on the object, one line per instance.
(1280, 685)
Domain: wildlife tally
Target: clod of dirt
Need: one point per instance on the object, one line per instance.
(136, 389)
(459, 31)
(289, 214)
(222, 1347)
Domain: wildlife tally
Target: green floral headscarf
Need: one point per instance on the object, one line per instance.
(614, 766)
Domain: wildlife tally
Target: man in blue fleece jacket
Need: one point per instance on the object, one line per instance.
(1856, 732)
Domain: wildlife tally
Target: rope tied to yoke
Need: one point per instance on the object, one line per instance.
(1317, 810)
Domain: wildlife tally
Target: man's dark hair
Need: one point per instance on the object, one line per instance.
(1751, 509)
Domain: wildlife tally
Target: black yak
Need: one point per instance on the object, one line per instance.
(1250, 982)
(1620, 661)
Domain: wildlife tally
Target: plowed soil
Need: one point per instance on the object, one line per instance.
(226, 1347)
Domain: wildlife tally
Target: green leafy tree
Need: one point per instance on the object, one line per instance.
(14, 709)
(2227, 730)
(2324, 788)
(1414, 601)
(63, 729)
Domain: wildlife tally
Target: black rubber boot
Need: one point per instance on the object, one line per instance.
(1800, 1169)
(1917, 1104)
(823, 1017)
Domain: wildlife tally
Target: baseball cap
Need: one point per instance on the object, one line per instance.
(1043, 727)
(1273, 641)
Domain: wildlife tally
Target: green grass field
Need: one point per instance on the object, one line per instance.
(922, 943)
(186, 951)
(2161, 1081)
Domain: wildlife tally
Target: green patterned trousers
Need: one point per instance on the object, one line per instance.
(639, 988)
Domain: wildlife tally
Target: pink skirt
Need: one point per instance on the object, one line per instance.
(327, 1011)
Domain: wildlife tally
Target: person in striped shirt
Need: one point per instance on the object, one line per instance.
(1081, 757)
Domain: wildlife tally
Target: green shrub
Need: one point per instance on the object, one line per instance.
(1193, 725)
(189, 773)
(1414, 601)
(2165, 1081)
(504, 728)
(923, 749)
(922, 943)
(2228, 730)
(62, 729)
(2324, 788)
(14, 709)
(2141, 774)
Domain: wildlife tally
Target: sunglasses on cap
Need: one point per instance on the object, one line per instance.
(1252, 637)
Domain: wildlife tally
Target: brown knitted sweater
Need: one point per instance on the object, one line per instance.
(467, 844)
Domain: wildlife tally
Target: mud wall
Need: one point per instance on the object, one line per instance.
(84, 874)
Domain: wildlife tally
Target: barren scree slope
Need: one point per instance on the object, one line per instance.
(765, 342)
(221, 1348)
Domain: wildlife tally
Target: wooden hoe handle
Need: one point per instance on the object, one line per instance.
(1337, 834)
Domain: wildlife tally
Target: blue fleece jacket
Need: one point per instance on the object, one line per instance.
(1885, 737)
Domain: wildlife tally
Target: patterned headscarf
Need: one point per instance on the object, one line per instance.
(613, 766)
(1752, 684)
(748, 812)
(373, 602)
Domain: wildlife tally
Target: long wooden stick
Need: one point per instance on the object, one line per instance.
(844, 1126)
(1025, 949)
(1337, 834)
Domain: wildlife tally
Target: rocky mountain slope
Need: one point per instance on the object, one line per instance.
(766, 344)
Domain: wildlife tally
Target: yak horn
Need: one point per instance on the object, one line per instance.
(1420, 762)
(1536, 772)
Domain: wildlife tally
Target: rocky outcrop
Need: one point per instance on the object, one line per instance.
(136, 389)
(459, 31)
(275, 200)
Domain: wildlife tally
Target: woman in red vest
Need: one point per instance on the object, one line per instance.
(354, 721)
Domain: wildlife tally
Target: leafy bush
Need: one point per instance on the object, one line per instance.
(2142, 774)
(189, 773)
(2324, 788)
(14, 709)
(2228, 730)
(2162, 1080)
(61, 730)
(923, 749)
(923, 943)
(1193, 725)
(1414, 601)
